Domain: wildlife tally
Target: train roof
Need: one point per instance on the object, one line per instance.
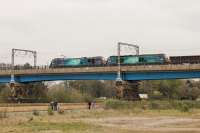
(78, 57)
(96, 57)
(140, 55)
(186, 56)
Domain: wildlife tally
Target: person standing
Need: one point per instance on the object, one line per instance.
(55, 106)
(52, 105)
(93, 104)
(89, 105)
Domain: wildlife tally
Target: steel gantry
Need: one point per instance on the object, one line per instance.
(119, 45)
(120, 84)
(13, 84)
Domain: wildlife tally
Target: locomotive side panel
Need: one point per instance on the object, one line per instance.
(138, 59)
(77, 62)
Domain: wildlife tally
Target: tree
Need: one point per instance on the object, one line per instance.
(59, 93)
(5, 92)
(27, 66)
(32, 92)
(152, 88)
(169, 88)
(93, 88)
(189, 90)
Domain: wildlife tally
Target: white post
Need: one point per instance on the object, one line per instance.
(136, 47)
(119, 63)
(12, 80)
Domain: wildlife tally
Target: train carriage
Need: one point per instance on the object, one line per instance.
(128, 59)
(96, 61)
(152, 59)
(185, 59)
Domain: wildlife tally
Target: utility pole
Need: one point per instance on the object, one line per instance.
(120, 44)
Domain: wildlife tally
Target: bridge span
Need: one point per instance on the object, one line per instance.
(140, 72)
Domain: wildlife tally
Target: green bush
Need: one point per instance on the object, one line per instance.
(183, 106)
(161, 105)
(68, 96)
(50, 111)
(117, 104)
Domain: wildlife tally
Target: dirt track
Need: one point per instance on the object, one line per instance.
(157, 124)
(41, 107)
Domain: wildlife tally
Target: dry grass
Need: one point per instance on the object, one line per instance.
(103, 121)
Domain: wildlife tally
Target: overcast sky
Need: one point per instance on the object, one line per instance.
(93, 27)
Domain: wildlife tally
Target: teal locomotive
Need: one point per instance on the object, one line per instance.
(145, 59)
(77, 62)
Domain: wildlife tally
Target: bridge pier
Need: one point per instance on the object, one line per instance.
(119, 89)
(127, 90)
(17, 91)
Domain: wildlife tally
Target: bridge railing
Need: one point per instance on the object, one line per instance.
(23, 68)
(139, 67)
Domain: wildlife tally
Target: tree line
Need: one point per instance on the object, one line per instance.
(171, 89)
(79, 91)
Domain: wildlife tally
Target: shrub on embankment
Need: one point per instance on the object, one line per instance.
(183, 106)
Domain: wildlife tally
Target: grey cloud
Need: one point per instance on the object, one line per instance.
(93, 27)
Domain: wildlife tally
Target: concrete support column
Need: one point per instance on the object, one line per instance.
(127, 90)
(13, 90)
(119, 89)
(131, 91)
(17, 90)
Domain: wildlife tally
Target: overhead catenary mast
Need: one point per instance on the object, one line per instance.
(119, 45)
(34, 53)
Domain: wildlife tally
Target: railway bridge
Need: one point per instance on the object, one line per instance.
(130, 74)
(134, 73)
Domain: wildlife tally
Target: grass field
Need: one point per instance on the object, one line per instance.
(104, 121)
